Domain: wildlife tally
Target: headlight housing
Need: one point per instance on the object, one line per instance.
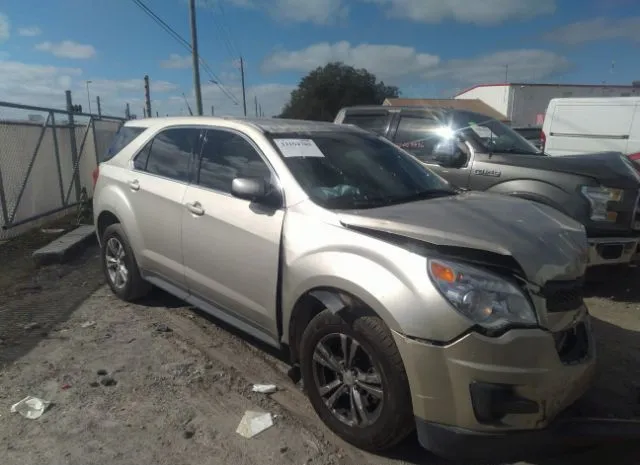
(485, 298)
(599, 198)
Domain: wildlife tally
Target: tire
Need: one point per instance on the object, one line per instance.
(134, 287)
(393, 420)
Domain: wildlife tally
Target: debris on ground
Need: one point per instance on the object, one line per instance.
(254, 423)
(108, 381)
(88, 324)
(163, 328)
(30, 407)
(265, 388)
(102, 372)
(31, 326)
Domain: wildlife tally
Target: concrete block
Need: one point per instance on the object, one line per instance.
(64, 247)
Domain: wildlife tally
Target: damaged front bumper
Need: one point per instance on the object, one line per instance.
(481, 387)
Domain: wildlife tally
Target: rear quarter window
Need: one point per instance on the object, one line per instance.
(124, 136)
(374, 122)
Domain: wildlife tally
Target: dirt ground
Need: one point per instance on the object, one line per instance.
(182, 381)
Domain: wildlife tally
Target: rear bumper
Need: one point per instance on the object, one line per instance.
(612, 250)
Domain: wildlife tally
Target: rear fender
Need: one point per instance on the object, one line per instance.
(113, 200)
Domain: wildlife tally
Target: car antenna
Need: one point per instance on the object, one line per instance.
(187, 102)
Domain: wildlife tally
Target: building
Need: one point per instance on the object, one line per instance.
(472, 104)
(526, 104)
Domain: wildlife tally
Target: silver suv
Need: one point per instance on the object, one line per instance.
(406, 304)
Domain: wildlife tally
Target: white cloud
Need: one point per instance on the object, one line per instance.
(176, 61)
(30, 31)
(312, 11)
(596, 30)
(44, 86)
(67, 49)
(523, 65)
(5, 27)
(385, 61)
(483, 12)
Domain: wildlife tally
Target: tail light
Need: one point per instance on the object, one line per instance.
(543, 140)
(635, 159)
(94, 174)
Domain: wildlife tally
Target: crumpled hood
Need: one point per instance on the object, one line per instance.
(547, 244)
(609, 168)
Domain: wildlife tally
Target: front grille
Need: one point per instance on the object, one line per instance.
(572, 344)
(563, 296)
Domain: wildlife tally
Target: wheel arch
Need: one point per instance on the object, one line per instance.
(315, 300)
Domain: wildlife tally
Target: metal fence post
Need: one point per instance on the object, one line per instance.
(74, 147)
(56, 151)
(3, 203)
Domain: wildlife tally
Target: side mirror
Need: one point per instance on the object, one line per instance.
(249, 188)
(447, 153)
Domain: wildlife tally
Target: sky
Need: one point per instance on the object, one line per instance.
(428, 48)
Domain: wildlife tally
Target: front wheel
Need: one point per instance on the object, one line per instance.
(355, 380)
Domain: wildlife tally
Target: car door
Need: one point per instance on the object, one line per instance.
(231, 246)
(158, 183)
(419, 133)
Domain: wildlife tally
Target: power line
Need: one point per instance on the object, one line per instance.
(182, 41)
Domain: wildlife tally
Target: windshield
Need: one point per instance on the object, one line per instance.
(352, 170)
(492, 135)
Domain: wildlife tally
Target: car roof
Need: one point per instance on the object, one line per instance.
(266, 125)
(416, 109)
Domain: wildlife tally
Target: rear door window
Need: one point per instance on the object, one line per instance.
(170, 154)
(374, 122)
(124, 136)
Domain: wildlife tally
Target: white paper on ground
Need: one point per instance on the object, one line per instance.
(292, 148)
(253, 423)
(30, 407)
(265, 388)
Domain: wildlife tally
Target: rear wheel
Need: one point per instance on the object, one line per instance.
(355, 380)
(120, 267)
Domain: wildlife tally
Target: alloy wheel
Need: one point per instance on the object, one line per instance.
(348, 380)
(115, 262)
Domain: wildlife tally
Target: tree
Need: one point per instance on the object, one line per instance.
(325, 90)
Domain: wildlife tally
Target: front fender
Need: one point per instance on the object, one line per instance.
(421, 313)
(543, 192)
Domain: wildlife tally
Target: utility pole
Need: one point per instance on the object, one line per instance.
(260, 110)
(244, 96)
(147, 96)
(255, 101)
(88, 95)
(127, 112)
(99, 107)
(195, 56)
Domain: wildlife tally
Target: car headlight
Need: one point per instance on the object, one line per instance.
(599, 198)
(485, 298)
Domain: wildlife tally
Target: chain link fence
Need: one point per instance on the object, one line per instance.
(47, 157)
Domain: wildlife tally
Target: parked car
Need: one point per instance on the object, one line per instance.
(532, 134)
(479, 153)
(592, 125)
(405, 303)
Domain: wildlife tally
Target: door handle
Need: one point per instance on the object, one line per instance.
(134, 185)
(195, 208)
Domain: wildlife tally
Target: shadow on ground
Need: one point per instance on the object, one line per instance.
(33, 300)
(618, 284)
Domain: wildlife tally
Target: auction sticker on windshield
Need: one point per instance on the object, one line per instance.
(292, 148)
